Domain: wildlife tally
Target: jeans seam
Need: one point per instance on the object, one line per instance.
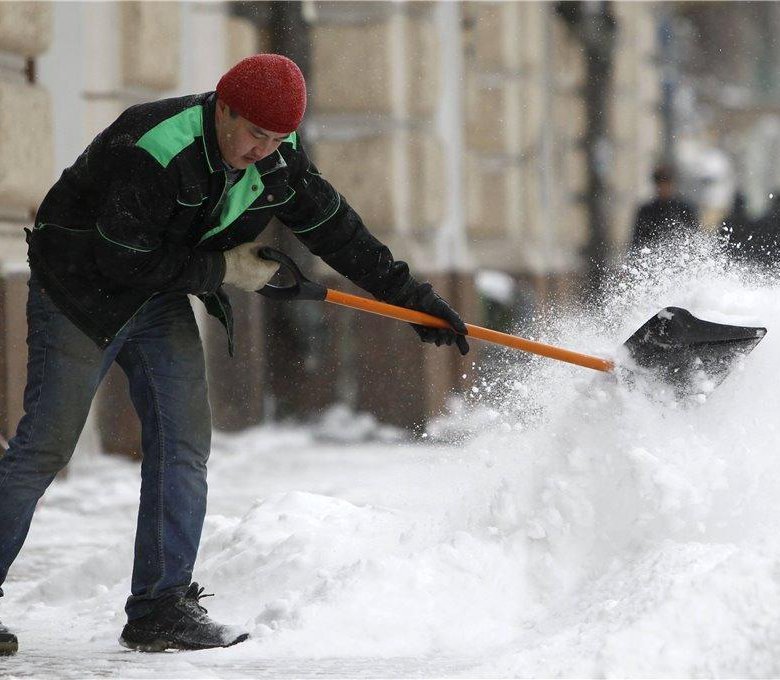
(34, 415)
(161, 471)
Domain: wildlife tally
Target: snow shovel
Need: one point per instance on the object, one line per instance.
(674, 345)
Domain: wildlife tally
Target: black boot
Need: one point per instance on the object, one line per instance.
(8, 642)
(179, 623)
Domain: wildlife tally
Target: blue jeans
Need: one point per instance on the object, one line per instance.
(160, 351)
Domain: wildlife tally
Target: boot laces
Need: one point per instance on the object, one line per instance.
(194, 594)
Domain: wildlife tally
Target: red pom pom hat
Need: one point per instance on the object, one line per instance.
(266, 89)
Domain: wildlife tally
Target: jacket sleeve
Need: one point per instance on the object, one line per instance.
(131, 245)
(324, 222)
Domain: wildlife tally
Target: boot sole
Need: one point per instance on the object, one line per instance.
(157, 645)
(154, 645)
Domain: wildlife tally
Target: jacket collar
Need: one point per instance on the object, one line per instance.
(210, 144)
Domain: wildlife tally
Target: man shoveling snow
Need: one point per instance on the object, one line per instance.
(166, 202)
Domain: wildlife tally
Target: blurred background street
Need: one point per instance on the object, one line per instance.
(503, 148)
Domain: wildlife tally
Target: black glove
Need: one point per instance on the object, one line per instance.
(425, 299)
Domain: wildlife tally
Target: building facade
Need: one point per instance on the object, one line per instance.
(456, 130)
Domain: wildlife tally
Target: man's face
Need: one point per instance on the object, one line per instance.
(240, 142)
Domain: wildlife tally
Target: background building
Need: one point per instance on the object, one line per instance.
(470, 137)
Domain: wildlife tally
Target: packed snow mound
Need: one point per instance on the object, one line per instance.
(649, 521)
(390, 586)
(682, 609)
(341, 424)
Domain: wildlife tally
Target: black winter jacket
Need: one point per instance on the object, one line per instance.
(144, 210)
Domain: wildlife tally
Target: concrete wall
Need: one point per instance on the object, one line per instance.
(67, 70)
(636, 121)
(455, 130)
(524, 125)
(372, 111)
(26, 170)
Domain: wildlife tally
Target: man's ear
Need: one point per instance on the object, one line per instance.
(222, 107)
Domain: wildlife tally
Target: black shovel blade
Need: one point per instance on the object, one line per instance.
(685, 351)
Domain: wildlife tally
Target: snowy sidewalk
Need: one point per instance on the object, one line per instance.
(589, 530)
(65, 592)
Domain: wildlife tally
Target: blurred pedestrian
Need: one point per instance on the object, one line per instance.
(738, 229)
(165, 202)
(764, 249)
(665, 215)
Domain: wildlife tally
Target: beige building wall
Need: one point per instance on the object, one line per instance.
(375, 89)
(25, 110)
(636, 116)
(67, 70)
(448, 126)
(380, 133)
(524, 126)
(26, 169)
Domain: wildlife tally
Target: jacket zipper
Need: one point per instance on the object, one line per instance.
(218, 206)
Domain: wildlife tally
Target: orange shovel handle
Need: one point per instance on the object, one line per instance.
(412, 316)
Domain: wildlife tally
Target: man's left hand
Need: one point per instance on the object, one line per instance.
(425, 299)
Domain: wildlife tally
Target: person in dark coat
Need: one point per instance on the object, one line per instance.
(764, 248)
(166, 202)
(738, 229)
(665, 215)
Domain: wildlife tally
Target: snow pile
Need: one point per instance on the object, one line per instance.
(321, 565)
(651, 524)
(341, 424)
(584, 529)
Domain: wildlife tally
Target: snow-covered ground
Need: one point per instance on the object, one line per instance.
(557, 523)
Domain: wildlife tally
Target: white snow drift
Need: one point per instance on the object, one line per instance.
(583, 529)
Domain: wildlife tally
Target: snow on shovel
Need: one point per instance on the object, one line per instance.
(673, 345)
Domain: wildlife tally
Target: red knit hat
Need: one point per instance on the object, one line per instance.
(266, 89)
